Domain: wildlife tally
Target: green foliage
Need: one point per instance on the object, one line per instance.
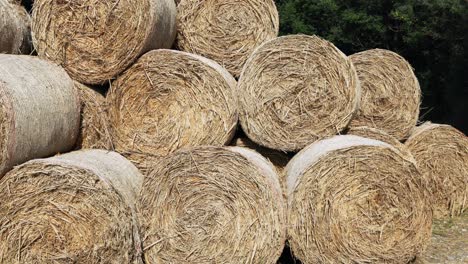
(431, 34)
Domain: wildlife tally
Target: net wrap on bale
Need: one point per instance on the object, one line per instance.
(356, 200)
(170, 100)
(391, 95)
(441, 152)
(39, 110)
(74, 208)
(377, 134)
(296, 89)
(226, 31)
(213, 205)
(95, 126)
(15, 28)
(97, 40)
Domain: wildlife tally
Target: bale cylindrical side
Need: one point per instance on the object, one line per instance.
(377, 134)
(391, 95)
(277, 158)
(74, 208)
(40, 110)
(97, 40)
(212, 205)
(441, 152)
(15, 28)
(170, 100)
(295, 90)
(226, 31)
(356, 200)
(95, 125)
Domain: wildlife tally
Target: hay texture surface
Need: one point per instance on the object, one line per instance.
(15, 28)
(213, 205)
(39, 111)
(96, 40)
(441, 152)
(295, 90)
(356, 200)
(226, 31)
(170, 100)
(377, 134)
(95, 125)
(277, 158)
(74, 208)
(391, 95)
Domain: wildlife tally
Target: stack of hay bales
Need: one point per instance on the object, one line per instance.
(362, 197)
(15, 28)
(78, 207)
(213, 205)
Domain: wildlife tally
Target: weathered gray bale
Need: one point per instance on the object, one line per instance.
(39, 110)
(15, 28)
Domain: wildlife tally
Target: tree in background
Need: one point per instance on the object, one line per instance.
(430, 34)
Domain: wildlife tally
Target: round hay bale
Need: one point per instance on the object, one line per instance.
(170, 100)
(441, 152)
(391, 95)
(15, 28)
(97, 40)
(39, 110)
(356, 200)
(212, 205)
(226, 31)
(377, 134)
(74, 208)
(95, 126)
(295, 90)
(277, 158)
